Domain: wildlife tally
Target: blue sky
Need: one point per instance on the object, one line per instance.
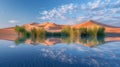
(18, 12)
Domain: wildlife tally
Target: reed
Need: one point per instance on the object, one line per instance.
(67, 31)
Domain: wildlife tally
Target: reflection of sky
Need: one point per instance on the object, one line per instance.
(78, 53)
(106, 55)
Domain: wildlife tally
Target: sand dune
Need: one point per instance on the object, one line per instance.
(10, 34)
(52, 27)
(48, 26)
(8, 31)
(91, 23)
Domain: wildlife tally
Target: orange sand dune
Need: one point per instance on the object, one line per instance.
(8, 34)
(8, 31)
(52, 27)
(91, 23)
(48, 26)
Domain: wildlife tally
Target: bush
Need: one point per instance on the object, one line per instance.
(22, 31)
(17, 29)
(40, 33)
(83, 32)
(66, 31)
(73, 32)
(33, 33)
(96, 31)
(101, 31)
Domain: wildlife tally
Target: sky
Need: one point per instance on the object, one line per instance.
(18, 12)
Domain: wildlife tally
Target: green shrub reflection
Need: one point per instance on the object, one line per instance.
(87, 41)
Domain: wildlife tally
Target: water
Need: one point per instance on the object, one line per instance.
(57, 52)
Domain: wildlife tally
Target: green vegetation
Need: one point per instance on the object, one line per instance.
(92, 32)
(101, 31)
(33, 33)
(85, 35)
(22, 31)
(83, 32)
(67, 31)
(18, 29)
(41, 33)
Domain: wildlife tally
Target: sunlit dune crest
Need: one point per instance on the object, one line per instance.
(10, 34)
(52, 27)
(91, 23)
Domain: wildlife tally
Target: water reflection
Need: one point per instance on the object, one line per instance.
(60, 52)
(49, 41)
(81, 55)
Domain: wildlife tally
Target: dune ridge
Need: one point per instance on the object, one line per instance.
(52, 27)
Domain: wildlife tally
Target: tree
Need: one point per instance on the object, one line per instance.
(21, 31)
(18, 29)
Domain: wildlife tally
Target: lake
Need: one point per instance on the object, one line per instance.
(60, 52)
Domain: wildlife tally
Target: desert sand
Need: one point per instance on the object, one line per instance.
(52, 27)
(91, 23)
(10, 34)
(112, 32)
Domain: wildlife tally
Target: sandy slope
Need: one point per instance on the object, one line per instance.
(8, 34)
(8, 31)
(52, 27)
(91, 23)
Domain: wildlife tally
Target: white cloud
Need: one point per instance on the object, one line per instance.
(13, 21)
(57, 13)
(95, 4)
(100, 10)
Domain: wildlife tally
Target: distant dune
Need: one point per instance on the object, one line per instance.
(52, 27)
(8, 31)
(91, 23)
(10, 34)
(48, 26)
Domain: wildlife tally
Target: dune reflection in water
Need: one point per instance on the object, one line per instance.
(49, 41)
(75, 51)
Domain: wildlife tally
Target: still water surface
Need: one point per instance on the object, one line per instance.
(53, 52)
